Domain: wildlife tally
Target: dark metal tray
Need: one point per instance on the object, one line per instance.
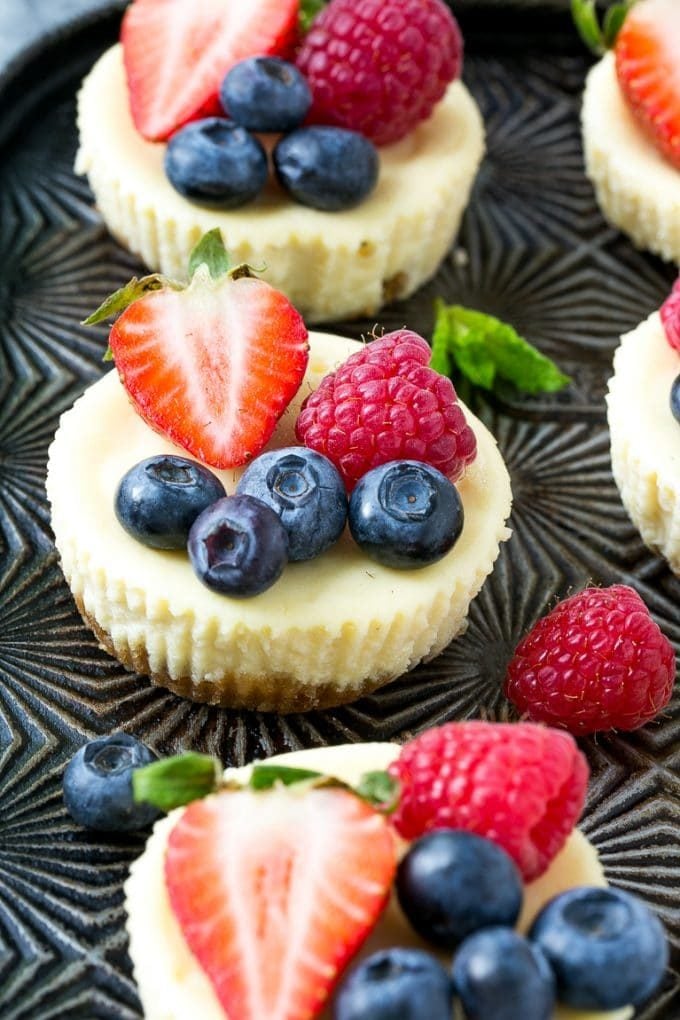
(534, 250)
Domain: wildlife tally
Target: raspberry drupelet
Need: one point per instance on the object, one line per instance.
(384, 403)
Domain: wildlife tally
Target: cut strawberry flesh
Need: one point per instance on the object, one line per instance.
(275, 892)
(176, 54)
(648, 70)
(213, 367)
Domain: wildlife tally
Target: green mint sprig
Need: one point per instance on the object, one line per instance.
(485, 349)
(599, 38)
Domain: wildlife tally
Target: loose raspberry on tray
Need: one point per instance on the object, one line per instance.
(598, 661)
(384, 403)
(520, 785)
(380, 67)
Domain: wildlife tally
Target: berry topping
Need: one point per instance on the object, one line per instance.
(177, 53)
(380, 68)
(238, 546)
(405, 514)
(606, 949)
(306, 492)
(275, 891)
(216, 163)
(212, 366)
(396, 984)
(98, 785)
(670, 316)
(327, 168)
(597, 661)
(499, 975)
(648, 69)
(452, 883)
(160, 498)
(266, 94)
(519, 785)
(384, 403)
(675, 398)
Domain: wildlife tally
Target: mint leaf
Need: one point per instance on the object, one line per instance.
(308, 11)
(484, 349)
(210, 251)
(585, 18)
(263, 777)
(173, 782)
(125, 296)
(380, 789)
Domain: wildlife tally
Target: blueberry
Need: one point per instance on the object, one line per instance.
(396, 984)
(217, 163)
(675, 399)
(98, 784)
(266, 94)
(238, 546)
(606, 948)
(307, 493)
(327, 168)
(451, 883)
(499, 975)
(159, 499)
(405, 514)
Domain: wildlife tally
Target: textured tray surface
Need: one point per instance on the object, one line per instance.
(534, 250)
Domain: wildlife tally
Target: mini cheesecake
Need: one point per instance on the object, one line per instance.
(637, 188)
(330, 265)
(172, 985)
(645, 437)
(329, 630)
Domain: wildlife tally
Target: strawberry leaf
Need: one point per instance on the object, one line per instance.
(173, 782)
(127, 295)
(585, 18)
(210, 251)
(263, 777)
(484, 349)
(381, 790)
(613, 21)
(308, 11)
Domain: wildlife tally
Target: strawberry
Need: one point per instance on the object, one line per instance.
(648, 68)
(177, 53)
(212, 366)
(275, 891)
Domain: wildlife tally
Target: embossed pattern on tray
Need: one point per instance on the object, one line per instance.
(533, 249)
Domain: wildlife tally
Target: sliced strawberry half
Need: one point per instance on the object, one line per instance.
(648, 68)
(276, 891)
(212, 367)
(176, 54)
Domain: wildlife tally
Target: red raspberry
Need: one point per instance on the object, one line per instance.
(597, 661)
(384, 403)
(520, 785)
(670, 316)
(379, 66)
